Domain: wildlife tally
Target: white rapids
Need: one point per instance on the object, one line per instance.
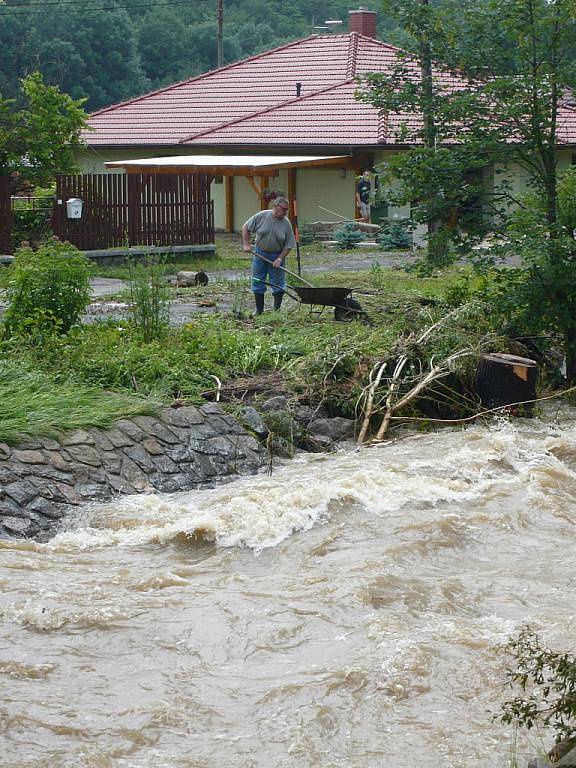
(346, 612)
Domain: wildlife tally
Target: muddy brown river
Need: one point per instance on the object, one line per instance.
(346, 612)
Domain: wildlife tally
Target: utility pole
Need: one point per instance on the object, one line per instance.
(220, 33)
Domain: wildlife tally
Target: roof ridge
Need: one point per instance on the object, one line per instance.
(352, 54)
(209, 73)
(382, 132)
(567, 106)
(264, 111)
(381, 43)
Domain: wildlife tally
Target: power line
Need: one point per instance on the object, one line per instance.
(32, 7)
(41, 6)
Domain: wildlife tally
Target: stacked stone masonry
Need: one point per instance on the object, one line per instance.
(42, 480)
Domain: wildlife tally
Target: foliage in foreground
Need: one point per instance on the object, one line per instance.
(320, 360)
(546, 681)
(48, 289)
(33, 404)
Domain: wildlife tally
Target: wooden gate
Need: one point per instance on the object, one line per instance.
(6, 216)
(135, 209)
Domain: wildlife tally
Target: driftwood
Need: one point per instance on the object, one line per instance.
(246, 389)
(437, 370)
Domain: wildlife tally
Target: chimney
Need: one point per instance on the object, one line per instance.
(298, 89)
(363, 22)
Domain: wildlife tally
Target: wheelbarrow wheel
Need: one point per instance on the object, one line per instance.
(349, 309)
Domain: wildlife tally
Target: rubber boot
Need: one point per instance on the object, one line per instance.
(259, 299)
(278, 300)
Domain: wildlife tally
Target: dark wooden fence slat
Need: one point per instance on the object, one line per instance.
(135, 209)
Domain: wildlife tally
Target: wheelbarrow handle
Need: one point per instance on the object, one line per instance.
(284, 269)
(286, 289)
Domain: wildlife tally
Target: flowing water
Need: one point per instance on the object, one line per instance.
(346, 612)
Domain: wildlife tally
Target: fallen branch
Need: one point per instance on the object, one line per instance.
(487, 412)
(369, 394)
(436, 372)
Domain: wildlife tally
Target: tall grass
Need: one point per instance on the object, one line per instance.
(33, 405)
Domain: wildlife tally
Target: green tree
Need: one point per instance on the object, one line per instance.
(164, 47)
(516, 109)
(503, 112)
(444, 179)
(38, 138)
(91, 54)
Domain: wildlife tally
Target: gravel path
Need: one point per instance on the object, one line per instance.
(183, 309)
(352, 261)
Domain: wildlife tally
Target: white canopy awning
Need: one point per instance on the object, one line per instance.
(233, 165)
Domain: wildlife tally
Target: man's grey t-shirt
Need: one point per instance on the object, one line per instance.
(272, 234)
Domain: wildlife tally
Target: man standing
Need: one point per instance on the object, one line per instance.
(363, 190)
(274, 240)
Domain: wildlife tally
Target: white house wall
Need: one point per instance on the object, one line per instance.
(323, 194)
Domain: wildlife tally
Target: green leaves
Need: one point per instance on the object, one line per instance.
(48, 290)
(548, 680)
(39, 138)
(348, 236)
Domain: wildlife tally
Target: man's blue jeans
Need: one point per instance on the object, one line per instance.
(263, 272)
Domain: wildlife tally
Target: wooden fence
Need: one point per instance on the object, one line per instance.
(135, 209)
(6, 216)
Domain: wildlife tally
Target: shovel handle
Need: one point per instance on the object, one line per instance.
(284, 269)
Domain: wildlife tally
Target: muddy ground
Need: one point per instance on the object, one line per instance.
(229, 289)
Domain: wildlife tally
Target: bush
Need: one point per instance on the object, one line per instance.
(48, 290)
(348, 236)
(547, 684)
(150, 299)
(394, 235)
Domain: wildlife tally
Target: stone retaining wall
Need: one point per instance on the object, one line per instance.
(180, 449)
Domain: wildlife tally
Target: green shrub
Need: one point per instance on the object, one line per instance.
(306, 236)
(545, 684)
(48, 289)
(394, 236)
(348, 236)
(149, 298)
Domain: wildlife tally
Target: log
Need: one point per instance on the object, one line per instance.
(190, 279)
(503, 380)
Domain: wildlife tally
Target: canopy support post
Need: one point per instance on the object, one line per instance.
(229, 203)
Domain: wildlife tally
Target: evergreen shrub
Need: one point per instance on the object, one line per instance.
(394, 236)
(348, 236)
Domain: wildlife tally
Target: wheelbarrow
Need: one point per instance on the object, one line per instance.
(346, 308)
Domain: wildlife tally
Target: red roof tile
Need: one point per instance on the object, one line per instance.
(254, 102)
(331, 116)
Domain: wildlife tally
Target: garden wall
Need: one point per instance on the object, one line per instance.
(42, 480)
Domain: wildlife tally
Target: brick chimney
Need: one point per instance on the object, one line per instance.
(363, 22)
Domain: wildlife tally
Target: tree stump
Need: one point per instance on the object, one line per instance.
(190, 279)
(502, 380)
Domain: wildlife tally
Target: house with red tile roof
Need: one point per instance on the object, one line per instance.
(296, 99)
